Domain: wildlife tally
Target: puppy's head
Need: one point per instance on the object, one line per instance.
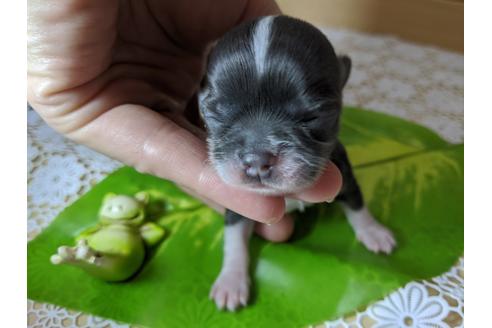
(272, 114)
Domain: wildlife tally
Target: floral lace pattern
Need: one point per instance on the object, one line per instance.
(418, 83)
(437, 302)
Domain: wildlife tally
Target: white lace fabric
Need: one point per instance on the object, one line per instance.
(418, 83)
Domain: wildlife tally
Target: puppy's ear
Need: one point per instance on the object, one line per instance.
(207, 107)
(345, 68)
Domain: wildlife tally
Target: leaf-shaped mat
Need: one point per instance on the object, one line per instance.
(411, 179)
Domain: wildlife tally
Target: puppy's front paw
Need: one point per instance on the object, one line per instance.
(376, 237)
(230, 290)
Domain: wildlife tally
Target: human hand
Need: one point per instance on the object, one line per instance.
(119, 77)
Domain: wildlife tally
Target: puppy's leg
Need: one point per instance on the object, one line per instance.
(231, 288)
(370, 232)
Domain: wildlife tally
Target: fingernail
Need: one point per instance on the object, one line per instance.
(330, 200)
(272, 221)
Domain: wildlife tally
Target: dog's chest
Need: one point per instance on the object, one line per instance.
(292, 205)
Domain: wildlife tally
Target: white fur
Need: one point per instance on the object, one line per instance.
(261, 41)
(231, 288)
(370, 232)
(295, 204)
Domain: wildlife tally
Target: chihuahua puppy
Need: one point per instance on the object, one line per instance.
(271, 103)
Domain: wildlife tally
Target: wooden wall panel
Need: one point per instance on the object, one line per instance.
(436, 22)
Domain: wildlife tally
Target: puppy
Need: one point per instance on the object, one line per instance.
(271, 103)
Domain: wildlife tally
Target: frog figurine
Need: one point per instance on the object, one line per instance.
(114, 250)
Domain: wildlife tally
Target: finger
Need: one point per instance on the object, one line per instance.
(153, 144)
(277, 232)
(326, 187)
(68, 36)
(210, 203)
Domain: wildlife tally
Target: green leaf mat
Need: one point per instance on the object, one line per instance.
(411, 179)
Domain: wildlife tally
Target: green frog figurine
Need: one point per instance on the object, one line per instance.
(114, 250)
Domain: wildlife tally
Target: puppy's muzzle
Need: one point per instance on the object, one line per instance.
(258, 164)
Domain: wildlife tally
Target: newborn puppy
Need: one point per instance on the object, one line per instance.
(271, 102)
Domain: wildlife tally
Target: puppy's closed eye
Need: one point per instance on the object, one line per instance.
(309, 119)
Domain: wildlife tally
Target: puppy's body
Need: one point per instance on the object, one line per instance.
(271, 102)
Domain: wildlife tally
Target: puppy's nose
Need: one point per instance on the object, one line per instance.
(258, 163)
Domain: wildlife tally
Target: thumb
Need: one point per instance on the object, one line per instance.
(154, 144)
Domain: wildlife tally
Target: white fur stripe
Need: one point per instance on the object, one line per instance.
(261, 40)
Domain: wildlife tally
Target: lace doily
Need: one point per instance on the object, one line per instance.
(421, 84)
